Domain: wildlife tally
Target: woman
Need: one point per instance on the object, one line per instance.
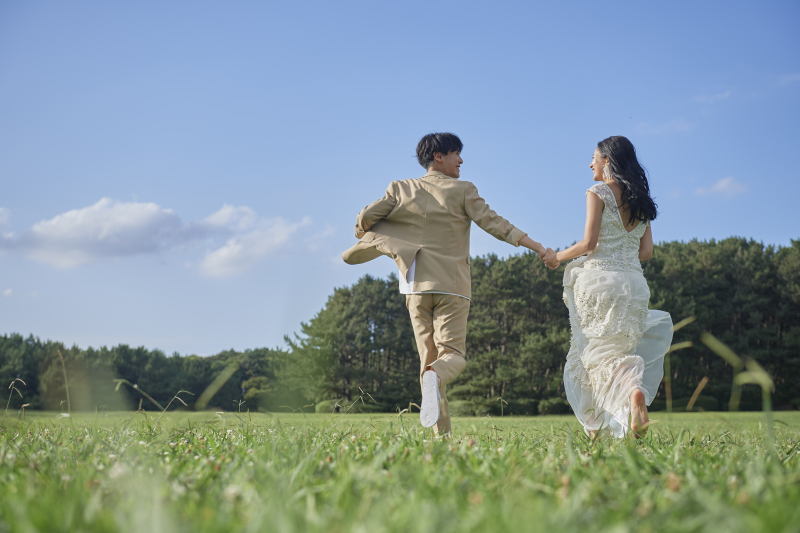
(616, 357)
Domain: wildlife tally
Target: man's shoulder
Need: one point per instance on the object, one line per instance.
(407, 181)
(445, 186)
(422, 180)
(444, 181)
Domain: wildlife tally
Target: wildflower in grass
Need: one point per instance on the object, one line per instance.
(232, 492)
(643, 509)
(117, 471)
(673, 482)
(476, 498)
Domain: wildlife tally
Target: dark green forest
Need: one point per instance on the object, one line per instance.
(360, 345)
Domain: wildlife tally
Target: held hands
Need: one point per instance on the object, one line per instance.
(549, 259)
(360, 233)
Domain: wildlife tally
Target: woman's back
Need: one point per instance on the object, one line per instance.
(617, 247)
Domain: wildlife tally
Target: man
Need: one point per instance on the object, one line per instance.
(424, 224)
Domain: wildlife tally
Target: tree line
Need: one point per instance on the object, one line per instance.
(359, 349)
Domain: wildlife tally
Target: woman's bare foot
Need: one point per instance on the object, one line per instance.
(592, 434)
(639, 418)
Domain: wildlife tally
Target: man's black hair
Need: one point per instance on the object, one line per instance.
(444, 143)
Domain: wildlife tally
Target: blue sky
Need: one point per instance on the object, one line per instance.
(185, 175)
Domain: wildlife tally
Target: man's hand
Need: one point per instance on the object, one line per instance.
(542, 252)
(550, 259)
(360, 233)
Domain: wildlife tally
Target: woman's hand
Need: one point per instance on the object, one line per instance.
(550, 259)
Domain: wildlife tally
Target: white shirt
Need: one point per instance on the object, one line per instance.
(407, 286)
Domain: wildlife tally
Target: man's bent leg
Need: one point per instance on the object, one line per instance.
(420, 309)
(450, 339)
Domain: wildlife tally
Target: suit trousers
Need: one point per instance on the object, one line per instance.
(440, 328)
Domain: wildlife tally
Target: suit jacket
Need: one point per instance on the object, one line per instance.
(428, 218)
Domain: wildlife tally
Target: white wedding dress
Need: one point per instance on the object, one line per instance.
(617, 344)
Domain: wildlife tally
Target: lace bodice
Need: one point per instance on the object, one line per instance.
(617, 249)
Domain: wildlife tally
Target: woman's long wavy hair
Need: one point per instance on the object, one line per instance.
(631, 177)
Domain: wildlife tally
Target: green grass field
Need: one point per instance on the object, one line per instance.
(375, 473)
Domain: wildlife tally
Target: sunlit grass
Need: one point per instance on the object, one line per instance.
(231, 472)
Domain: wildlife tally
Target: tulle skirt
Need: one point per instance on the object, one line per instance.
(617, 345)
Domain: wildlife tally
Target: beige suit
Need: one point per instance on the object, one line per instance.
(429, 219)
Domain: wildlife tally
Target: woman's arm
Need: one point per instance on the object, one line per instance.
(594, 213)
(646, 245)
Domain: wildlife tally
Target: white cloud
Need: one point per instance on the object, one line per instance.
(7, 293)
(6, 242)
(241, 252)
(678, 124)
(5, 216)
(231, 217)
(105, 229)
(112, 229)
(726, 187)
(712, 98)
